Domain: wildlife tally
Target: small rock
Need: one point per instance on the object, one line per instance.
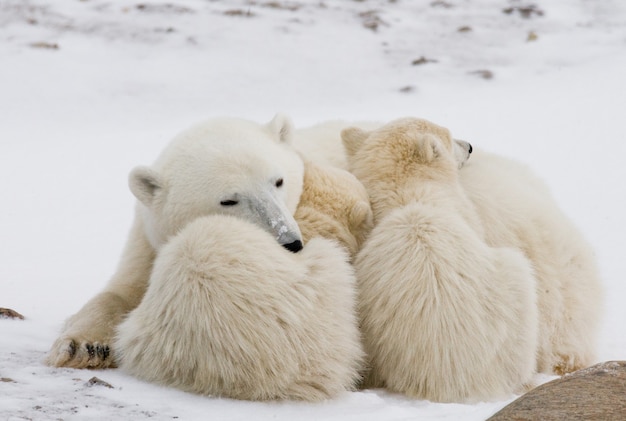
(464, 29)
(94, 381)
(163, 8)
(45, 45)
(485, 74)
(239, 12)
(526, 12)
(532, 36)
(441, 3)
(7, 313)
(372, 20)
(422, 60)
(292, 7)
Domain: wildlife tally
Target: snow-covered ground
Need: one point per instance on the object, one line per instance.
(89, 89)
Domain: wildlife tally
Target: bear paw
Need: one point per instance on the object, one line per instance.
(77, 353)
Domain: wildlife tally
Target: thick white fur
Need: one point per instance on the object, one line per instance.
(334, 205)
(230, 312)
(220, 159)
(321, 143)
(444, 316)
(518, 211)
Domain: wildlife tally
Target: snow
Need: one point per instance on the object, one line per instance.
(126, 76)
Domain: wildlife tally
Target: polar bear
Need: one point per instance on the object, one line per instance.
(518, 211)
(267, 325)
(444, 316)
(229, 312)
(322, 143)
(334, 204)
(221, 166)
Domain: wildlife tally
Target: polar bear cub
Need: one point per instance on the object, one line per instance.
(334, 204)
(223, 166)
(444, 316)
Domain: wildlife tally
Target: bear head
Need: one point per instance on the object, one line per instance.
(223, 166)
(399, 157)
(335, 205)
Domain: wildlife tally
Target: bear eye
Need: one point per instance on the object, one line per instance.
(228, 202)
(279, 182)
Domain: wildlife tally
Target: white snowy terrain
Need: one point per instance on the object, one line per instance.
(89, 89)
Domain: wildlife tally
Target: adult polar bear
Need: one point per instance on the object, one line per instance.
(222, 166)
(229, 312)
(516, 210)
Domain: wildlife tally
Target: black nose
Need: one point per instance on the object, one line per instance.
(294, 247)
(470, 148)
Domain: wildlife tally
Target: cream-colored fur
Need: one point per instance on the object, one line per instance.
(222, 166)
(321, 143)
(517, 210)
(231, 313)
(335, 205)
(444, 316)
(511, 210)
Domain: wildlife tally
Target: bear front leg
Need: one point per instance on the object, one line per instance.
(85, 341)
(86, 338)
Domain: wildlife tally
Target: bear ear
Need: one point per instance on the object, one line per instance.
(352, 138)
(282, 127)
(144, 183)
(428, 148)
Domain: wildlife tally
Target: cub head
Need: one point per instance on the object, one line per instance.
(334, 204)
(223, 166)
(402, 153)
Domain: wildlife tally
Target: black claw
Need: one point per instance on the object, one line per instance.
(90, 350)
(72, 349)
(105, 352)
(102, 351)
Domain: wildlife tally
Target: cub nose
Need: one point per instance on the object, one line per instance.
(470, 148)
(294, 247)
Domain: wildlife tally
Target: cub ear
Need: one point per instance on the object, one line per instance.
(428, 148)
(352, 138)
(144, 183)
(282, 127)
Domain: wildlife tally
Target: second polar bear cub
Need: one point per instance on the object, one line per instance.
(230, 312)
(444, 316)
(335, 205)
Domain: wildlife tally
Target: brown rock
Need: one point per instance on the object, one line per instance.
(594, 393)
(10, 314)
